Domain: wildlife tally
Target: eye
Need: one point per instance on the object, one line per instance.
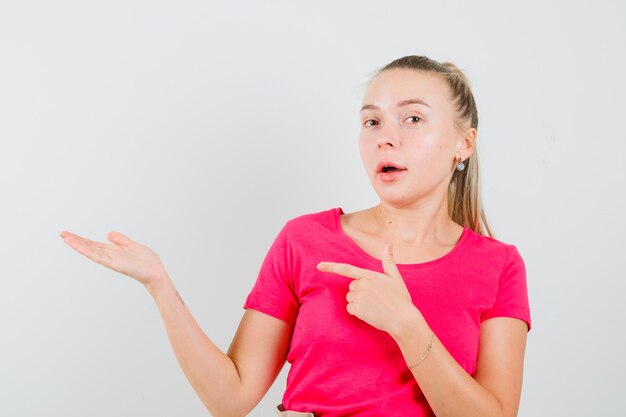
(370, 120)
(414, 117)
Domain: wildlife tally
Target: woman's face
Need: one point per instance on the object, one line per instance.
(408, 119)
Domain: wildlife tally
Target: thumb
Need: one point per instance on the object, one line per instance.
(389, 265)
(119, 238)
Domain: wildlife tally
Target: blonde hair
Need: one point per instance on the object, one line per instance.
(464, 198)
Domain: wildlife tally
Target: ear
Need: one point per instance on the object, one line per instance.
(468, 142)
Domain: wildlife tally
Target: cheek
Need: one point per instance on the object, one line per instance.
(427, 156)
(430, 162)
(433, 149)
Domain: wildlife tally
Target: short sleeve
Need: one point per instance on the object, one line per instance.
(273, 292)
(512, 295)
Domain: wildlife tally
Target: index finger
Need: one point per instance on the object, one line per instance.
(90, 248)
(344, 269)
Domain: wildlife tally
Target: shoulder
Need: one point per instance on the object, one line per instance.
(487, 247)
(308, 222)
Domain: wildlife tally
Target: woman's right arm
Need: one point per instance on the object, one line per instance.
(229, 384)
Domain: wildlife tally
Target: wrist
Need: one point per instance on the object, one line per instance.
(408, 325)
(159, 285)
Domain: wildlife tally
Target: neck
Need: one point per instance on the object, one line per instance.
(414, 225)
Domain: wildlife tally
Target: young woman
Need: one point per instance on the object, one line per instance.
(402, 309)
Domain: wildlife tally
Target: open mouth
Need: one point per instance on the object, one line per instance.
(391, 169)
(389, 173)
(388, 167)
(388, 170)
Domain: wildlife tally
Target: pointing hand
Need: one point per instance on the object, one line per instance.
(380, 299)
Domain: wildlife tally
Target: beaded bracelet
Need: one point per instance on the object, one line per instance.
(430, 345)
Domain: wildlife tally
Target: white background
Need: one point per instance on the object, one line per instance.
(198, 128)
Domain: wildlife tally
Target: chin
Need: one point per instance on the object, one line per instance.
(395, 199)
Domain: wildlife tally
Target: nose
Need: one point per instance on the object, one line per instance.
(384, 143)
(387, 139)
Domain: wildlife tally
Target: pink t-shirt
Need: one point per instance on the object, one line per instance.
(342, 366)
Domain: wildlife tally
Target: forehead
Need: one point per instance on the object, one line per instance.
(394, 85)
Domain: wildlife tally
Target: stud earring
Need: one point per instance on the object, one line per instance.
(460, 166)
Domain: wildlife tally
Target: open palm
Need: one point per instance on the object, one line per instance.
(123, 255)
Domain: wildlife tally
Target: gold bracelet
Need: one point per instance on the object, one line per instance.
(430, 346)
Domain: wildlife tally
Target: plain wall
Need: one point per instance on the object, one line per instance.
(198, 128)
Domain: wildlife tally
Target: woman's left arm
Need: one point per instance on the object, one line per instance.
(495, 389)
(383, 301)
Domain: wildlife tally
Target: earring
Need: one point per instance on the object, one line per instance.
(460, 166)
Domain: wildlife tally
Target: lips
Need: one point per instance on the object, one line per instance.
(388, 171)
(388, 166)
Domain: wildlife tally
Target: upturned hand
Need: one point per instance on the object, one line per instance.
(123, 255)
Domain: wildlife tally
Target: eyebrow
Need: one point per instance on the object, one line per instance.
(400, 104)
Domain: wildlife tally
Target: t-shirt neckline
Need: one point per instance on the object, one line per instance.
(338, 211)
